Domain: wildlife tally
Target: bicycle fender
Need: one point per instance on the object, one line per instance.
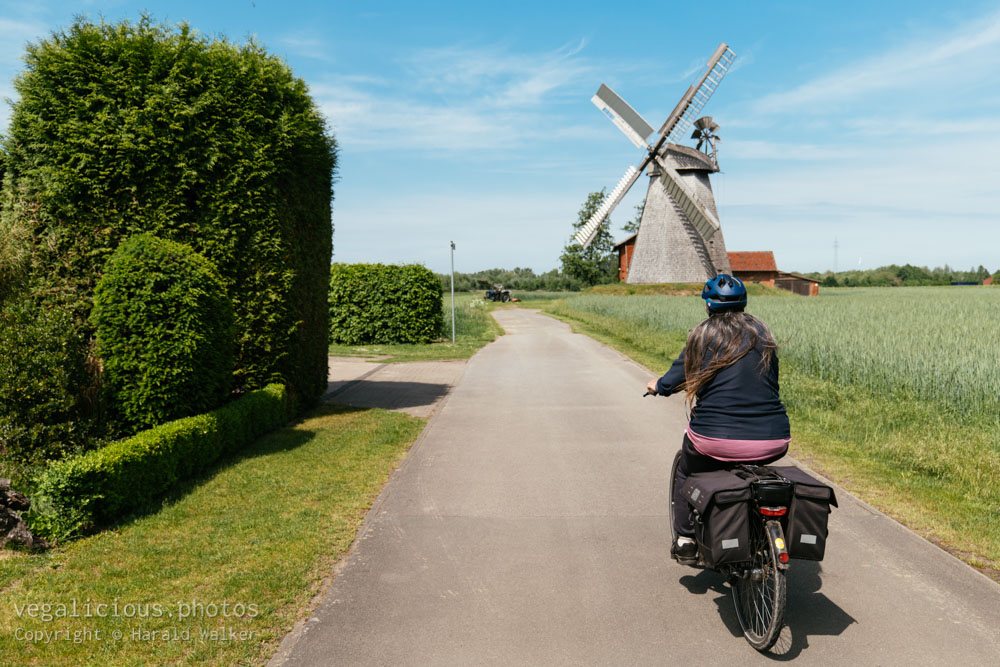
(776, 536)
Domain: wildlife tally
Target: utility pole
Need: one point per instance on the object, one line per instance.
(452, 292)
(835, 246)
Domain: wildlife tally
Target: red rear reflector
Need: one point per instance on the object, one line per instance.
(773, 511)
(783, 556)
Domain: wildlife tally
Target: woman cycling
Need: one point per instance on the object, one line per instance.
(729, 370)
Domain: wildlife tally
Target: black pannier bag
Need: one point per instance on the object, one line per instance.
(721, 502)
(808, 514)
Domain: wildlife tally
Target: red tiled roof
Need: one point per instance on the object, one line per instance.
(761, 260)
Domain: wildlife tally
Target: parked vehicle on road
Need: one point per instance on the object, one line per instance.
(497, 292)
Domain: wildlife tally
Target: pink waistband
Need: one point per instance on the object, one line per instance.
(737, 450)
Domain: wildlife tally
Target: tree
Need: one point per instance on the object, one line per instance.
(596, 264)
(632, 226)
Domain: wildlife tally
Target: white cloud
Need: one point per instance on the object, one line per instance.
(459, 98)
(307, 45)
(965, 55)
(749, 149)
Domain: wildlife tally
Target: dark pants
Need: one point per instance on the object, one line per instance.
(692, 461)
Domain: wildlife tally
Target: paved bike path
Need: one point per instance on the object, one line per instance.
(528, 526)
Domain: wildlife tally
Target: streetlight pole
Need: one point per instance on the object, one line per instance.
(452, 292)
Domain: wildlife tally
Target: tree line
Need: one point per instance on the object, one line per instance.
(906, 276)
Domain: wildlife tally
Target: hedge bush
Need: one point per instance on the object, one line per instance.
(126, 128)
(378, 303)
(164, 333)
(41, 384)
(78, 494)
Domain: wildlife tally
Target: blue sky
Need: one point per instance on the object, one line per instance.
(875, 125)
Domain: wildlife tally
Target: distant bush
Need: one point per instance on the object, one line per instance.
(78, 494)
(165, 333)
(124, 128)
(378, 303)
(42, 362)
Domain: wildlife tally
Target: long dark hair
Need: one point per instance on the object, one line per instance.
(721, 341)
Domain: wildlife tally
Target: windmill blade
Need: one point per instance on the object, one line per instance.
(589, 230)
(621, 114)
(697, 95)
(704, 222)
(703, 122)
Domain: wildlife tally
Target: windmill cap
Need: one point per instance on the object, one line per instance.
(724, 293)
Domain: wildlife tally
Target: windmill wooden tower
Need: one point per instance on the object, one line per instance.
(679, 238)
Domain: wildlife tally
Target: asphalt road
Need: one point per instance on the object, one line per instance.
(528, 527)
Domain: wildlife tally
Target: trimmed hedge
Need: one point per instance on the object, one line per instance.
(164, 332)
(123, 128)
(379, 303)
(74, 496)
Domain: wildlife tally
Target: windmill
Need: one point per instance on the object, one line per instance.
(679, 237)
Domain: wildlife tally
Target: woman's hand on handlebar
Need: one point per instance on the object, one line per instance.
(651, 387)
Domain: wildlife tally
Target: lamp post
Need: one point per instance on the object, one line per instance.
(452, 292)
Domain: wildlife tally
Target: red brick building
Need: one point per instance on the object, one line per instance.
(754, 267)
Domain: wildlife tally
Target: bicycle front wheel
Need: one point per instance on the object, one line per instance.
(759, 592)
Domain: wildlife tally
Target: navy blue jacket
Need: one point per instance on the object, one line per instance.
(739, 403)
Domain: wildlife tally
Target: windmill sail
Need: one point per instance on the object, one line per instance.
(694, 100)
(700, 217)
(589, 230)
(621, 114)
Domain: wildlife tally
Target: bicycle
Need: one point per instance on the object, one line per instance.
(758, 584)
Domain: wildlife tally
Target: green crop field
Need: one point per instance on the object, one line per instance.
(935, 343)
(893, 392)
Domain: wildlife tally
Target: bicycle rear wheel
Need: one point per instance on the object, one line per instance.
(759, 592)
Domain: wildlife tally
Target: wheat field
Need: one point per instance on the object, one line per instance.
(935, 344)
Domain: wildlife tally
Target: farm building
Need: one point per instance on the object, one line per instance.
(754, 267)
(625, 249)
(793, 282)
(988, 280)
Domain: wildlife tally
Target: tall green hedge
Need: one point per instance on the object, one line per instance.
(164, 332)
(140, 127)
(42, 385)
(379, 303)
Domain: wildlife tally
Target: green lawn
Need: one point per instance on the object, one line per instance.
(242, 549)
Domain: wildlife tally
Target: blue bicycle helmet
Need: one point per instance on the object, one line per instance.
(724, 293)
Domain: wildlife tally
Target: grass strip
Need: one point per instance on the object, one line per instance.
(258, 534)
(911, 459)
